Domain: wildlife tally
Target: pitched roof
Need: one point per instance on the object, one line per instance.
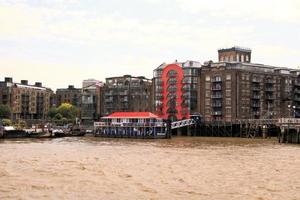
(131, 115)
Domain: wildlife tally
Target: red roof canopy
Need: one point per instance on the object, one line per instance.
(135, 115)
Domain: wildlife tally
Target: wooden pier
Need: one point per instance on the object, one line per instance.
(289, 130)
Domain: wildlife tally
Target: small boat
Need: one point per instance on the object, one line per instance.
(76, 130)
(40, 134)
(11, 132)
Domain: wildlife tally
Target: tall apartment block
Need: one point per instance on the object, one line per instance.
(26, 101)
(127, 94)
(70, 95)
(234, 88)
(90, 100)
(175, 89)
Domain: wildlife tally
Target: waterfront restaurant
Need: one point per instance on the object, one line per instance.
(131, 125)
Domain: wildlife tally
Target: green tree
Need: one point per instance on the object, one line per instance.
(58, 116)
(68, 111)
(4, 111)
(7, 122)
(52, 112)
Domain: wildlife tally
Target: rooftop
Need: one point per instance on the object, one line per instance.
(132, 115)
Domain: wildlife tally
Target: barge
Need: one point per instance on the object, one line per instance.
(144, 125)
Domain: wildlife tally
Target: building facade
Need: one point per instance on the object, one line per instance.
(70, 95)
(175, 89)
(232, 90)
(26, 101)
(127, 94)
(90, 100)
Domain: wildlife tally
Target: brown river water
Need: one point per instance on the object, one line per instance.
(180, 168)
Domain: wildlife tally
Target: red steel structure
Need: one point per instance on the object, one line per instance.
(175, 89)
(172, 101)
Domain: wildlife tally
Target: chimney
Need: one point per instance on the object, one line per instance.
(71, 87)
(24, 82)
(8, 80)
(38, 84)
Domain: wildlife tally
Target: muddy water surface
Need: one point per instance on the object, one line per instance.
(180, 168)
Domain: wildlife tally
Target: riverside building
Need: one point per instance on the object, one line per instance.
(26, 101)
(90, 101)
(127, 94)
(70, 95)
(175, 89)
(234, 88)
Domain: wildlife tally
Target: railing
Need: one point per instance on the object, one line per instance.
(182, 123)
(296, 98)
(216, 113)
(256, 80)
(255, 88)
(255, 96)
(129, 124)
(217, 88)
(217, 105)
(270, 89)
(216, 80)
(270, 97)
(270, 81)
(216, 96)
(255, 105)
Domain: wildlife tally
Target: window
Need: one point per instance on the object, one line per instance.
(207, 102)
(228, 93)
(228, 85)
(207, 78)
(228, 77)
(228, 101)
(207, 86)
(207, 94)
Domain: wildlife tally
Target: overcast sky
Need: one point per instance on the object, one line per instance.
(62, 42)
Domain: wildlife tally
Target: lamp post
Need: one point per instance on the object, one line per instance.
(294, 111)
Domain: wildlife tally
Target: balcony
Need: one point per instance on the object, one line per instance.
(297, 91)
(108, 93)
(256, 80)
(186, 95)
(216, 105)
(186, 88)
(124, 93)
(297, 83)
(158, 82)
(256, 113)
(270, 97)
(216, 88)
(256, 88)
(172, 81)
(216, 96)
(255, 105)
(297, 98)
(158, 89)
(216, 80)
(255, 96)
(269, 89)
(159, 96)
(270, 81)
(124, 100)
(217, 113)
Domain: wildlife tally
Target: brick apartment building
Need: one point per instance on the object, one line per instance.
(127, 94)
(26, 101)
(70, 95)
(234, 88)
